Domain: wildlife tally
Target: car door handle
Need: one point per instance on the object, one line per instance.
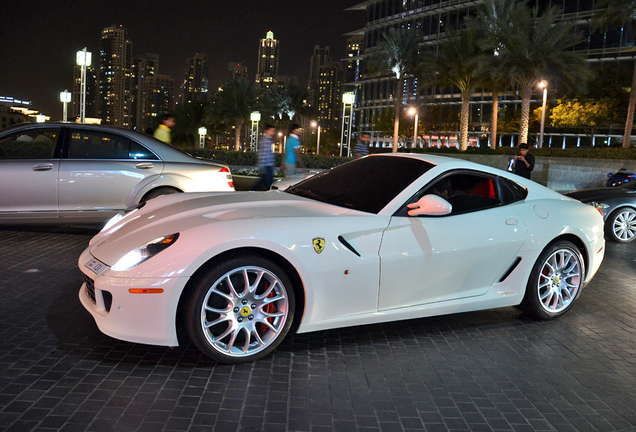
(144, 165)
(512, 221)
(42, 167)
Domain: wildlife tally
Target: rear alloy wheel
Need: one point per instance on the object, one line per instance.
(555, 282)
(621, 225)
(241, 310)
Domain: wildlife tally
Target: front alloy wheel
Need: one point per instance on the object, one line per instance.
(555, 282)
(241, 310)
(622, 225)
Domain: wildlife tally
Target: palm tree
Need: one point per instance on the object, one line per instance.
(620, 14)
(396, 53)
(457, 64)
(188, 119)
(234, 103)
(532, 47)
(287, 103)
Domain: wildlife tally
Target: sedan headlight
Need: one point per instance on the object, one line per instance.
(598, 205)
(144, 252)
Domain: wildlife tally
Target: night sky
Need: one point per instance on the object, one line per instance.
(39, 39)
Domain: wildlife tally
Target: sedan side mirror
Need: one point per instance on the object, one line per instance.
(430, 205)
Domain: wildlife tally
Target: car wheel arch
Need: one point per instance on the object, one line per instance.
(151, 193)
(282, 262)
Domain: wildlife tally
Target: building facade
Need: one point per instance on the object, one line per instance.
(429, 19)
(143, 68)
(320, 57)
(159, 94)
(236, 70)
(115, 77)
(196, 84)
(267, 66)
(92, 93)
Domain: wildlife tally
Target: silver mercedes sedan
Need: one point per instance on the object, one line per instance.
(78, 173)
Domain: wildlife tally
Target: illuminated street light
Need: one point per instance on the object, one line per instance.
(202, 133)
(40, 118)
(65, 98)
(544, 85)
(83, 60)
(255, 117)
(313, 125)
(348, 99)
(413, 111)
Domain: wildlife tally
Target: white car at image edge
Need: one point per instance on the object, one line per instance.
(382, 238)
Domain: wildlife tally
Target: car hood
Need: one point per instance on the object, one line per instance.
(586, 195)
(177, 213)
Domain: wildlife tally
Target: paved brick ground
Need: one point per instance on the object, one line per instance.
(492, 370)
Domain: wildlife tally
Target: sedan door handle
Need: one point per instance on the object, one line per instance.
(512, 221)
(42, 167)
(144, 165)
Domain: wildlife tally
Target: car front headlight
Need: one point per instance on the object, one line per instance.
(144, 252)
(598, 205)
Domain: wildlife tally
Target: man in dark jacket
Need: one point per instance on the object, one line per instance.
(524, 162)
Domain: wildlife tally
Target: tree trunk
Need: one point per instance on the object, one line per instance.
(463, 127)
(398, 109)
(526, 94)
(237, 142)
(493, 120)
(630, 112)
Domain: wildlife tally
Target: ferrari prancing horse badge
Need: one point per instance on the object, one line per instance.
(319, 244)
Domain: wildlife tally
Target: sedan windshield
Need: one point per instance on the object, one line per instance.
(366, 184)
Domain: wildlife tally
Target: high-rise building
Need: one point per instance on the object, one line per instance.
(159, 91)
(92, 93)
(115, 77)
(319, 59)
(430, 19)
(352, 60)
(267, 67)
(236, 70)
(196, 86)
(328, 95)
(144, 66)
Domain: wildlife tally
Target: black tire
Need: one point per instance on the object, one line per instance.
(621, 225)
(555, 282)
(230, 324)
(158, 192)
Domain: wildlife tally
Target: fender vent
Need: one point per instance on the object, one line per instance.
(347, 245)
(510, 270)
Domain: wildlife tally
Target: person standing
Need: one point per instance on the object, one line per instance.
(265, 159)
(292, 151)
(361, 148)
(163, 132)
(524, 162)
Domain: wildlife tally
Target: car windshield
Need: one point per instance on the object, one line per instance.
(366, 184)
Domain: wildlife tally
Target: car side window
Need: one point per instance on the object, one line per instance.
(137, 151)
(88, 144)
(38, 143)
(465, 191)
(511, 191)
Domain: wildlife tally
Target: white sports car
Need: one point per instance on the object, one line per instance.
(382, 238)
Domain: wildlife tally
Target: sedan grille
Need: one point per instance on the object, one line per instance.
(90, 287)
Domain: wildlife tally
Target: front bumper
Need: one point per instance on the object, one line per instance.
(148, 318)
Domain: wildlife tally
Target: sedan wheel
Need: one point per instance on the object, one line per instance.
(241, 310)
(555, 282)
(621, 225)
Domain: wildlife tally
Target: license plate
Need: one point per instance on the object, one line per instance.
(96, 266)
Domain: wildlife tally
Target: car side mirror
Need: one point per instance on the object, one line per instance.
(430, 205)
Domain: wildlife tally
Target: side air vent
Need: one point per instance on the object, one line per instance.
(510, 270)
(347, 245)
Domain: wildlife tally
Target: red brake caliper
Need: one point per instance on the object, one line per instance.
(269, 308)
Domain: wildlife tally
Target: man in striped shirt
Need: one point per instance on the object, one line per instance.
(266, 158)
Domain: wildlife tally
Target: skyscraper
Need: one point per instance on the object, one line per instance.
(267, 68)
(92, 94)
(197, 72)
(115, 76)
(159, 91)
(236, 70)
(328, 95)
(144, 66)
(319, 59)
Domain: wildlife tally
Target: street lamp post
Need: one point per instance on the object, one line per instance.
(255, 117)
(83, 60)
(544, 85)
(348, 100)
(314, 124)
(413, 111)
(65, 98)
(202, 133)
